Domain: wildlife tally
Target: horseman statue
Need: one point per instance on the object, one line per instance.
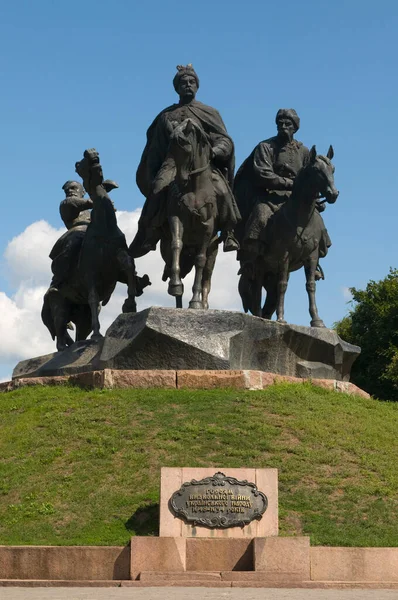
(75, 212)
(157, 168)
(88, 259)
(264, 184)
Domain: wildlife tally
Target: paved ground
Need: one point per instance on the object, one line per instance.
(171, 593)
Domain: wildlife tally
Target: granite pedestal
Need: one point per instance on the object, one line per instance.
(183, 339)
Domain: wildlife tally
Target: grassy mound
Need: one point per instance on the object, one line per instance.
(83, 467)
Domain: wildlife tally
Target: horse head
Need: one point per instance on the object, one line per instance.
(90, 170)
(320, 173)
(190, 149)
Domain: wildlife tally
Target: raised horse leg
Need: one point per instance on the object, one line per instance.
(126, 264)
(200, 262)
(176, 287)
(283, 278)
(310, 268)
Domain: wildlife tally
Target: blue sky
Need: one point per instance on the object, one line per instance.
(95, 74)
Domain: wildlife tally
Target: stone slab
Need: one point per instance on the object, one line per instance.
(61, 583)
(210, 583)
(354, 564)
(78, 358)
(207, 554)
(65, 562)
(183, 339)
(172, 478)
(143, 379)
(177, 582)
(152, 576)
(281, 557)
(320, 585)
(157, 554)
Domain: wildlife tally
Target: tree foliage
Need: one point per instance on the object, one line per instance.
(372, 324)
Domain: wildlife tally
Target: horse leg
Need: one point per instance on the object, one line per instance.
(126, 264)
(200, 261)
(271, 298)
(82, 318)
(212, 252)
(60, 311)
(283, 278)
(93, 302)
(176, 287)
(310, 269)
(257, 287)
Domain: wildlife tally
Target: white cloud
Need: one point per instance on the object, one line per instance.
(22, 332)
(27, 254)
(346, 294)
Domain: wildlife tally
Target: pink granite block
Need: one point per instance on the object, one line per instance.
(283, 557)
(354, 564)
(206, 554)
(267, 482)
(170, 482)
(157, 554)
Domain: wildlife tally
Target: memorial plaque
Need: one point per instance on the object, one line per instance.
(218, 502)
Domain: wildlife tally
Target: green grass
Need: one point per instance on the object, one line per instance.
(83, 467)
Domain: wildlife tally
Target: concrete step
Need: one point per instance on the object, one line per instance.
(211, 582)
(179, 576)
(248, 579)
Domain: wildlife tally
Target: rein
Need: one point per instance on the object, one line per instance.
(206, 166)
(200, 170)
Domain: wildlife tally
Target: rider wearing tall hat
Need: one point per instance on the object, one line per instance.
(156, 169)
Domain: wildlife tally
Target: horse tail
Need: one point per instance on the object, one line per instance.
(47, 317)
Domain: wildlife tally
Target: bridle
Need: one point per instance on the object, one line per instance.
(207, 165)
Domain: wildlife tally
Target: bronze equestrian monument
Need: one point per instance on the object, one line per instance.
(270, 214)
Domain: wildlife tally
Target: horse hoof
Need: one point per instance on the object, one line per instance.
(281, 321)
(97, 337)
(195, 304)
(176, 289)
(317, 323)
(129, 305)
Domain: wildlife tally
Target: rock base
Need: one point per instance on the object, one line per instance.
(214, 340)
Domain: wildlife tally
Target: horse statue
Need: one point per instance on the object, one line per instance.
(190, 237)
(294, 235)
(103, 261)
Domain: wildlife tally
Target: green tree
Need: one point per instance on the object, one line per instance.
(372, 324)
